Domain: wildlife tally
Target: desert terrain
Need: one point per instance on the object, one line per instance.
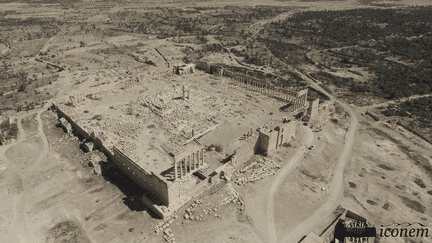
(368, 149)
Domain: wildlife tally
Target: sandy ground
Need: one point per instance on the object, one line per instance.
(51, 194)
(386, 180)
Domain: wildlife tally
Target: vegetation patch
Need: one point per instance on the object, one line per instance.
(386, 167)
(413, 204)
(352, 185)
(371, 202)
(386, 206)
(66, 231)
(419, 182)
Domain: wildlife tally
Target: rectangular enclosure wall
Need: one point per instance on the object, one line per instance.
(148, 181)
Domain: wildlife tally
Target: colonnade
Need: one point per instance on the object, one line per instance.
(188, 163)
(298, 99)
(76, 98)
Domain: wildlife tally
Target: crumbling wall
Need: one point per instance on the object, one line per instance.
(69, 113)
(178, 196)
(267, 140)
(148, 181)
(65, 125)
(286, 132)
(271, 138)
(98, 144)
(204, 66)
(167, 72)
(243, 153)
(313, 108)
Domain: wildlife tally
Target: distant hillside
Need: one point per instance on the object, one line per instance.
(39, 1)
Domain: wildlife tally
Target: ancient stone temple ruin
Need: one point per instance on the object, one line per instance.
(272, 137)
(153, 130)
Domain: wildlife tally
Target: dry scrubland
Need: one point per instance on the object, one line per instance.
(306, 189)
(58, 193)
(388, 179)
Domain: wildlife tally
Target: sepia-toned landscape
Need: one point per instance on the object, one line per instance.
(215, 121)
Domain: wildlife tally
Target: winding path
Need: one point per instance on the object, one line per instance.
(18, 230)
(336, 186)
(281, 175)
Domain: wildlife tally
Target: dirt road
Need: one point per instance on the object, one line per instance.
(363, 108)
(19, 230)
(272, 236)
(336, 186)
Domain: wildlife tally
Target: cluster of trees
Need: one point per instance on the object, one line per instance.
(49, 27)
(398, 80)
(193, 22)
(378, 33)
(8, 130)
(421, 107)
(412, 49)
(18, 78)
(329, 28)
(349, 83)
(328, 78)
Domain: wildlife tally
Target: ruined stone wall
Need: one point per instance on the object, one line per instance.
(148, 181)
(98, 144)
(263, 142)
(69, 113)
(286, 132)
(167, 72)
(271, 138)
(243, 153)
(178, 195)
(313, 108)
(204, 66)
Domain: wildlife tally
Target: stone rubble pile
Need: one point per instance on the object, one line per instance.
(189, 215)
(169, 236)
(122, 128)
(266, 169)
(165, 224)
(233, 198)
(179, 196)
(247, 167)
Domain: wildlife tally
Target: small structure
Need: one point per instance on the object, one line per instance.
(87, 147)
(312, 110)
(67, 127)
(186, 93)
(271, 139)
(185, 68)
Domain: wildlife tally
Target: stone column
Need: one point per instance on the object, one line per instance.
(199, 158)
(175, 170)
(202, 158)
(197, 162)
(193, 159)
(189, 164)
(181, 168)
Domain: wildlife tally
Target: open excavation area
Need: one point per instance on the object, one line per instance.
(288, 121)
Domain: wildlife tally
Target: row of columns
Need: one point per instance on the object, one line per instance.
(248, 135)
(188, 163)
(278, 92)
(76, 99)
(299, 103)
